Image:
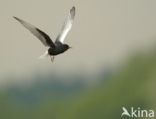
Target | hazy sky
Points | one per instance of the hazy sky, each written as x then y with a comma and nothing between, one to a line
103,32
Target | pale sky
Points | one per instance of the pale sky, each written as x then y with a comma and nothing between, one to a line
104,31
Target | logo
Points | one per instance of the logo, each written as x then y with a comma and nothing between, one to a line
137,113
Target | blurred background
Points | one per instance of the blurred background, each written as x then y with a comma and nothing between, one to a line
112,63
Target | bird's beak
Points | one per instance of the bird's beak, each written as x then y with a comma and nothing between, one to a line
70,47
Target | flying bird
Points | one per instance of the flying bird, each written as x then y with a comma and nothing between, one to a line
57,47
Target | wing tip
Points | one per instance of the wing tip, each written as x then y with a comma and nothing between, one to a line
74,8
72,11
16,18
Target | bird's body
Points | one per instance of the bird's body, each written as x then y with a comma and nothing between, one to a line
57,47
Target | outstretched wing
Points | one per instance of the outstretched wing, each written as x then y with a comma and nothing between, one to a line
66,26
43,37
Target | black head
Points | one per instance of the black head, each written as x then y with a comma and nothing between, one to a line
66,46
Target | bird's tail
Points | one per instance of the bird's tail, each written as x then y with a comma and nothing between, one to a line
45,55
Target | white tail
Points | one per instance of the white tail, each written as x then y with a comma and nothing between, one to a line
45,55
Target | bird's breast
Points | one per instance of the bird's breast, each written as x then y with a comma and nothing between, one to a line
56,51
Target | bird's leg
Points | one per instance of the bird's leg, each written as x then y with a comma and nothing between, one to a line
52,58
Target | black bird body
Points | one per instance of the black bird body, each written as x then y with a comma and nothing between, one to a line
57,47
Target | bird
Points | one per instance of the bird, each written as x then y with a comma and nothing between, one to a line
57,47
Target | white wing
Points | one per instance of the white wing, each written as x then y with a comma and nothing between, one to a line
66,26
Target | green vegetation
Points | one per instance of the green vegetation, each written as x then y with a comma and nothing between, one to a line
133,85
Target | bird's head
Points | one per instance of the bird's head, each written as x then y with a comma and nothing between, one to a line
66,46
